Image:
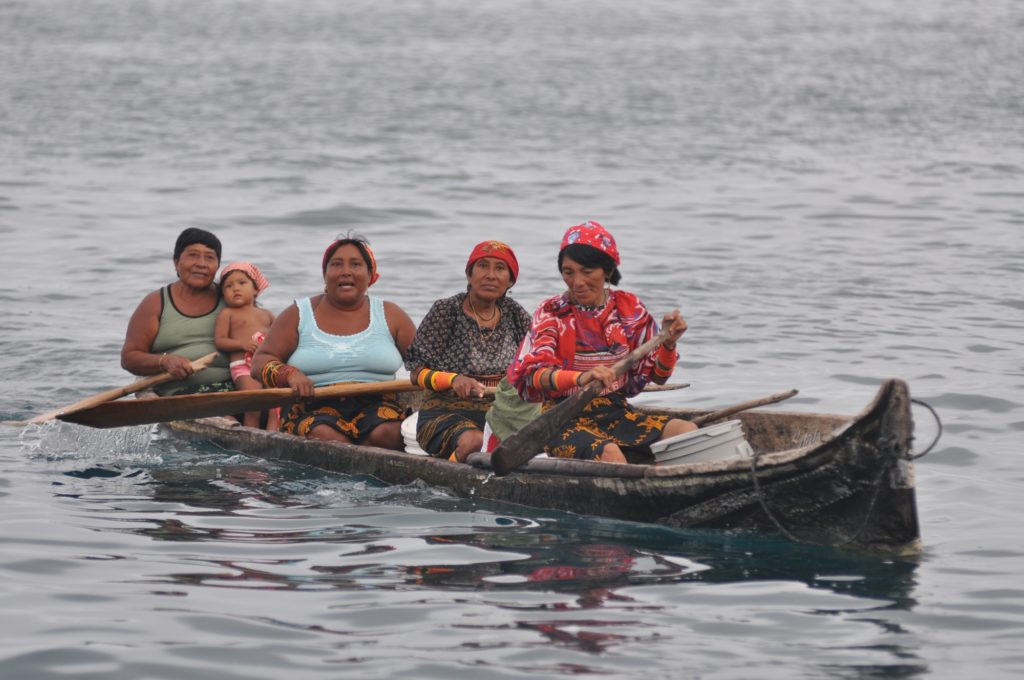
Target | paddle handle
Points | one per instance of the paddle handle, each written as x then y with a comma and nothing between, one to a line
351,389
667,387
743,406
624,364
118,392
576,403
640,352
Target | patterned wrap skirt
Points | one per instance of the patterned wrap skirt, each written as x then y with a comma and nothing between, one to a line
608,419
442,419
355,416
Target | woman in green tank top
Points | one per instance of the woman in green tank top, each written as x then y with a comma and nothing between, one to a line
174,325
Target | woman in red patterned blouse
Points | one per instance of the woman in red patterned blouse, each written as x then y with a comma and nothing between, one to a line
576,337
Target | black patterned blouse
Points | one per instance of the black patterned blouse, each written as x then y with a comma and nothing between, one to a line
450,340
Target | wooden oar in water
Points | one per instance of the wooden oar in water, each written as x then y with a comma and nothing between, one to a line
118,392
191,406
699,421
527,442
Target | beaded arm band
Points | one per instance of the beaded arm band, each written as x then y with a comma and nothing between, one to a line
434,380
664,361
556,380
275,374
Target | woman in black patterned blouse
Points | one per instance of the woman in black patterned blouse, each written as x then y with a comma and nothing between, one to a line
464,344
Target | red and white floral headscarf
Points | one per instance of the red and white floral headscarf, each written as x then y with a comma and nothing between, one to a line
594,235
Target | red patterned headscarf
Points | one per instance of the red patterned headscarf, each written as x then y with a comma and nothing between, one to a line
363,247
594,235
498,250
250,270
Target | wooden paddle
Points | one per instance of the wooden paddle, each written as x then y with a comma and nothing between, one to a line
651,387
742,406
667,387
528,440
699,421
189,406
118,392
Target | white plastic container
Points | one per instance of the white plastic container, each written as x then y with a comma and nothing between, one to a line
409,435
716,442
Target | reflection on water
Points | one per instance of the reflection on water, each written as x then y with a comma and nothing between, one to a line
233,501
579,584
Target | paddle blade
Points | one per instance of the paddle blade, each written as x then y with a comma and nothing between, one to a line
528,441
185,407
118,392
192,406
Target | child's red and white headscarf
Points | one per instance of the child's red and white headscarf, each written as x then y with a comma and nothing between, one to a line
250,270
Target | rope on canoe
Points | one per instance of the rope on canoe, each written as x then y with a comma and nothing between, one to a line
874,497
877,485
938,434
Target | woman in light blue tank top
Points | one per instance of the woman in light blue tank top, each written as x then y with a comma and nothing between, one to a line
340,336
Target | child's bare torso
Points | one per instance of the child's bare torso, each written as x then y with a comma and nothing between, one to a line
244,322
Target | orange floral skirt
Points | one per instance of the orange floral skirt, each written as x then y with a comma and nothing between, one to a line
608,419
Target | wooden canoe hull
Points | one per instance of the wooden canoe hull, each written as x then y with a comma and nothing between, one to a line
820,479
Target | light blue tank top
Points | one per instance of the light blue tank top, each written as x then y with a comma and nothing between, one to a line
368,356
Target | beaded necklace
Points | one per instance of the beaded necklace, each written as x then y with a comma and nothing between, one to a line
485,331
591,308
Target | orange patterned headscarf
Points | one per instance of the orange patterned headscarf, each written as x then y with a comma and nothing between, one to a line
498,250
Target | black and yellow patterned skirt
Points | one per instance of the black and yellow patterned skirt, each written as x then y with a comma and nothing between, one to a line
355,417
608,419
442,419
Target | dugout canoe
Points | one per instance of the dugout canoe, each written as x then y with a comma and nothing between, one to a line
844,481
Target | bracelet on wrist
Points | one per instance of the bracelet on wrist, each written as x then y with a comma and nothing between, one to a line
563,380
275,373
160,361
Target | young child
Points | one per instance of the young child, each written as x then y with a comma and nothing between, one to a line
241,327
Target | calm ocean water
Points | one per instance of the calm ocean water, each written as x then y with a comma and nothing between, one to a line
832,192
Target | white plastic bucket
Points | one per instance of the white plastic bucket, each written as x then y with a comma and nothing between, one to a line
717,442
409,435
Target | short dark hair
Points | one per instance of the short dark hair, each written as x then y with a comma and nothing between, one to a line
589,256
196,235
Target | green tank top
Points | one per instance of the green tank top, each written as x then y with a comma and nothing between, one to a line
191,337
